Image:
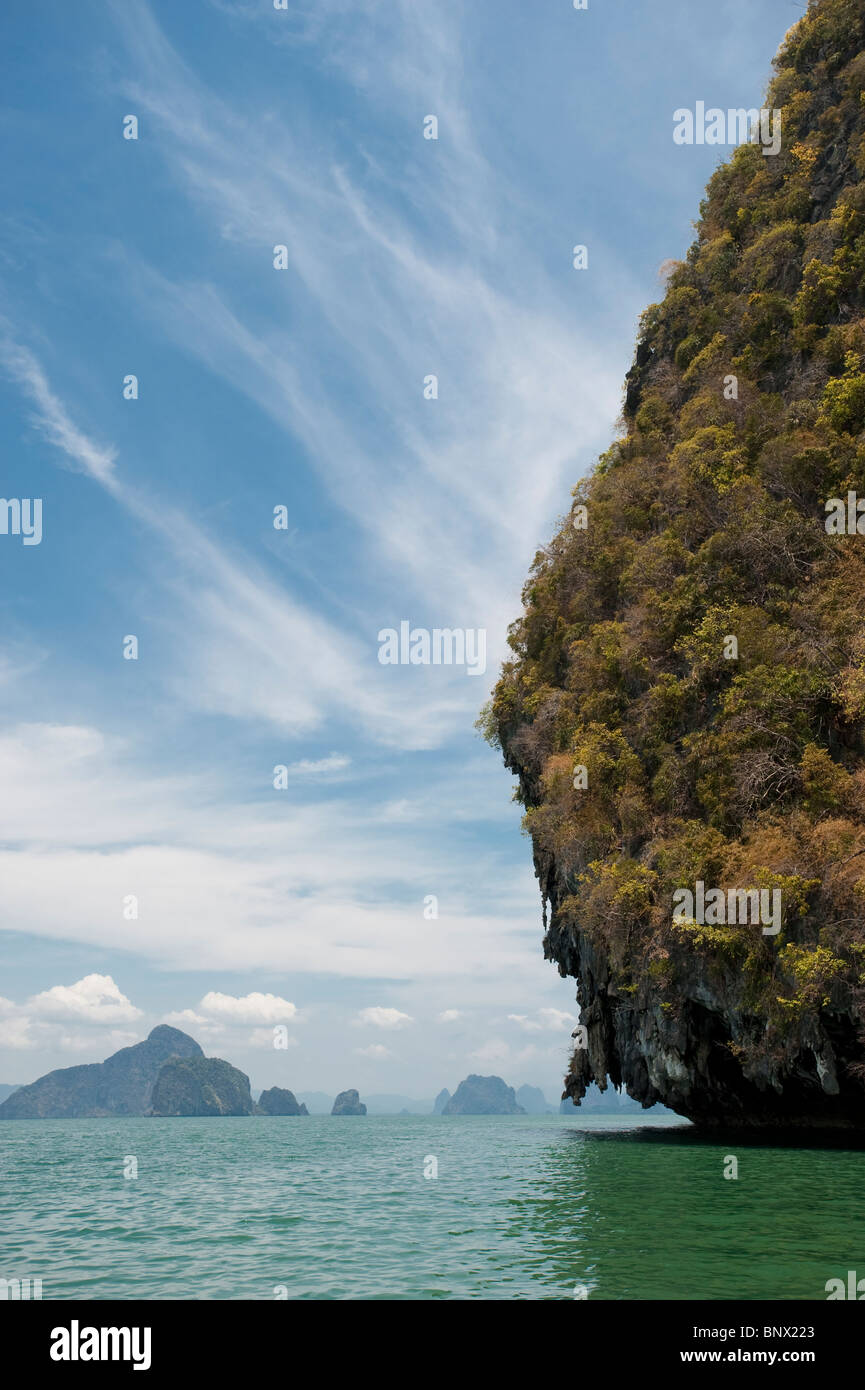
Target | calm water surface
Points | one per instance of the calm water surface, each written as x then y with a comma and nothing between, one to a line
340,1208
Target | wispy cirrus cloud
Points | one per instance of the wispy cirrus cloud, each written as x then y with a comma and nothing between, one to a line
470,480
233,617
475,475
50,416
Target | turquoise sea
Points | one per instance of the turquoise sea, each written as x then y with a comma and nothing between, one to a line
324,1208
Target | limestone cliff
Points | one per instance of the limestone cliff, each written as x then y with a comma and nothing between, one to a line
686,703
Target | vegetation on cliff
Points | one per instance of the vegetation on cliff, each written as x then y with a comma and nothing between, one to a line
739,764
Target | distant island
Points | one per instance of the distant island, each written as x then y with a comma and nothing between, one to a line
276,1101
483,1095
348,1103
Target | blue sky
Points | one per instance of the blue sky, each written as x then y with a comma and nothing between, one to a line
303,388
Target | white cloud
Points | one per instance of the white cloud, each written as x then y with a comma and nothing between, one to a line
185,1018
251,1008
323,886
494,1050
93,999
449,1016
545,1020
188,1021
314,768
380,1017
16,1035
109,1042
43,1021
524,1022
556,1018
375,1050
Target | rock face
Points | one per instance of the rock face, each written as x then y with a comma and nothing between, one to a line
483,1095
121,1085
276,1101
685,709
201,1086
441,1101
348,1103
